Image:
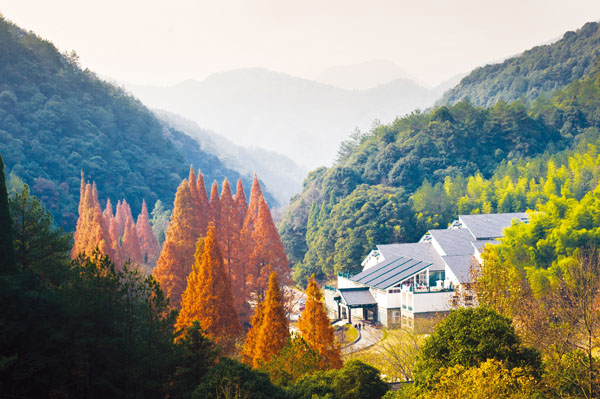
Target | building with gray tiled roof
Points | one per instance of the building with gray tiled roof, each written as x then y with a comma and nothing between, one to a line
415,280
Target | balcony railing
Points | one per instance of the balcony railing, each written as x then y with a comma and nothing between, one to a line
426,289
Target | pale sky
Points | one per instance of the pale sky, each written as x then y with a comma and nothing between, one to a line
164,42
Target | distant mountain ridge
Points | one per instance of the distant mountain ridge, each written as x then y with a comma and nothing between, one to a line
302,119
57,120
363,76
533,73
280,174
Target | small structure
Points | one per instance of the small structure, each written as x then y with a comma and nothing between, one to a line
401,283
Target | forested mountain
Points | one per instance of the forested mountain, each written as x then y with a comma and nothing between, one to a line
538,71
367,197
282,177
302,119
57,120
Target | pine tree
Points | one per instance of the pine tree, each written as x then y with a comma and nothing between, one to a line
7,249
316,330
207,297
177,256
274,330
147,240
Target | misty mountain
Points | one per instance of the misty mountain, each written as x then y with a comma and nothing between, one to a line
363,76
282,177
302,119
58,120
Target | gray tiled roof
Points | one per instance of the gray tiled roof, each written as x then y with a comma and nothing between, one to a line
487,226
454,241
423,251
460,266
480,243
357,296
388,274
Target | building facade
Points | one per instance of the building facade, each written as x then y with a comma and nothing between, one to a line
402,283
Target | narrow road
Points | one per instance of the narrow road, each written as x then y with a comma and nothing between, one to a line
369,336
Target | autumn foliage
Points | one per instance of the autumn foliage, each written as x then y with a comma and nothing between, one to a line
247,237
207,297
114,235
316,330
270,328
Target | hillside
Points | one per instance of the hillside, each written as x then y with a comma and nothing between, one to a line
301,119
57,120
282,177
538,71
367,198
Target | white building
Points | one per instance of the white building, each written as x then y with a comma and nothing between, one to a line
403,282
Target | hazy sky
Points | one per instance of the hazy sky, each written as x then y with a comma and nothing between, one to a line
163,42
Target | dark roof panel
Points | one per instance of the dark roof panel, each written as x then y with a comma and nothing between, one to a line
355,297
388,274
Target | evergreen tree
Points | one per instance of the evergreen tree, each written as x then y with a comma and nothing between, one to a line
207,297
39,246
274,331
316,330
7,249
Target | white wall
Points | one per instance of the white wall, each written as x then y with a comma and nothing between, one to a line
372,259
432,302
343,282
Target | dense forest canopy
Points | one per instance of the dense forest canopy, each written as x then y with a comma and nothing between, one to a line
536,72
57,120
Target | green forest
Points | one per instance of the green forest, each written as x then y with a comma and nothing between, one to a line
57,120
535,73
430,167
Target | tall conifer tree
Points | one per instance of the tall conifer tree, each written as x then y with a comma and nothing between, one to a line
207,297
147,240
274,330
267,254
316,330
177,256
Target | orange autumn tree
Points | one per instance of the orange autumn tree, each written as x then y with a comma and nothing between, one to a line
208,297
92,231
316,330
272,333
177,256
249,348
130,247
267,252
239,253
147,240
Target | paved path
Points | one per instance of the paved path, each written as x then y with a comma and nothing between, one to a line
369,336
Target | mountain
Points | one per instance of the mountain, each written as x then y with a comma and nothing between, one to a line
281,176
57,120
537,71
362,76
302,119
375,192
